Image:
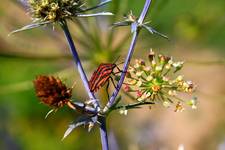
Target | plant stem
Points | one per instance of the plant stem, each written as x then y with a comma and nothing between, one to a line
103,132
129,56
78,62
134,105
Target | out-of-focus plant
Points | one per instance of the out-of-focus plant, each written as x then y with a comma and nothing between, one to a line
152,83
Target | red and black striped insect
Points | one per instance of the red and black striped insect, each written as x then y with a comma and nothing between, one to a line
102,75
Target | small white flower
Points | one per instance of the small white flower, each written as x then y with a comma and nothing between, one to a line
149,78
168,66
147,68
123,112
139,73
172,92
166,104
180,78
139,83
170,61
158,68
178,64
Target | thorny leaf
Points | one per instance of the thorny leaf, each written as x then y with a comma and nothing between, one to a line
131,20
30,26
153,31
51,111
83,120
95,14
98,5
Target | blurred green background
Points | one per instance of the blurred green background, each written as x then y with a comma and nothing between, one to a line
197,35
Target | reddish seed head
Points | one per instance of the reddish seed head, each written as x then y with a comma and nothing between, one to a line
51,91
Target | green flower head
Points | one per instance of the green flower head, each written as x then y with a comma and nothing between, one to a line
157,81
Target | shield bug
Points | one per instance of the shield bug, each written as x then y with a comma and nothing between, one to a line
102,75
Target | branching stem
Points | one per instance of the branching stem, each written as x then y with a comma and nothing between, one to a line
103,132
78,62
129,56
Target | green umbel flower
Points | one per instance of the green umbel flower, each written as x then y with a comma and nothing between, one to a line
157,81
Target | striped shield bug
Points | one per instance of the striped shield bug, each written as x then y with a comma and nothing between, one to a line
102,75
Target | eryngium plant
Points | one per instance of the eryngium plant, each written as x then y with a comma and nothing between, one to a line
56,11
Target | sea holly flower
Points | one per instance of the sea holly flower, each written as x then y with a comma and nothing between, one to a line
159,83
55,11
132,20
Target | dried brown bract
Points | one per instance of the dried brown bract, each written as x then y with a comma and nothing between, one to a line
51,91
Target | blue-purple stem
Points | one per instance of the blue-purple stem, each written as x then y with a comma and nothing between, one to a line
103,132
102,120
129,56
77,61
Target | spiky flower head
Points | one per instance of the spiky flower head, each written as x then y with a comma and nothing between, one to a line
157,81
55,11
51,91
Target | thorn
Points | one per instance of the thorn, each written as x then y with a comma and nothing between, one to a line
51,111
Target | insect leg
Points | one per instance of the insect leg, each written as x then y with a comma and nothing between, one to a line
113,82
107,89
119,71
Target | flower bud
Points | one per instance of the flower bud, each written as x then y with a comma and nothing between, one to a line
139,93
179,107
163,59
127,88
151,55
149,78
139,73
166,104
139,83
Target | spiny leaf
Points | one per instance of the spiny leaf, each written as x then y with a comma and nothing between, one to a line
51,111
153,31
97,6
83,120
121,23
30,26
95,14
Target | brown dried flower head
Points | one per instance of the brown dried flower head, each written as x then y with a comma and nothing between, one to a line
51,91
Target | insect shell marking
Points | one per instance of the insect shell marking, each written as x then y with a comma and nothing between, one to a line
101,76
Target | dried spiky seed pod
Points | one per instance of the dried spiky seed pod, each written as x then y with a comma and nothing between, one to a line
51,91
